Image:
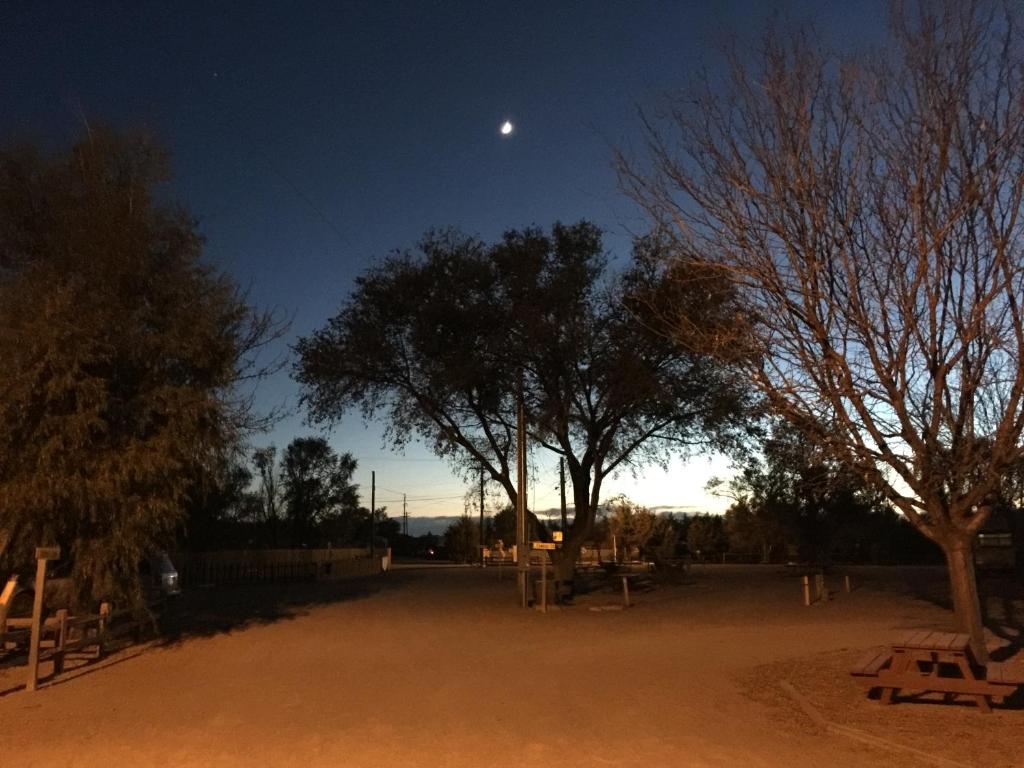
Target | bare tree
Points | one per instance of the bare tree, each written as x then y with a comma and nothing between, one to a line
868,211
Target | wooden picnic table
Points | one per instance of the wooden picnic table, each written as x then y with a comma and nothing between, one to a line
942,662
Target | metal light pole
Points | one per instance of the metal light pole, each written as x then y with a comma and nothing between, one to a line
373,506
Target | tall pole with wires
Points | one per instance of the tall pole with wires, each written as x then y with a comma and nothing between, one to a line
481,516
373,506
522,553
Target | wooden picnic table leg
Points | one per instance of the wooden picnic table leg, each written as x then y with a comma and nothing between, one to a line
968,673
900,663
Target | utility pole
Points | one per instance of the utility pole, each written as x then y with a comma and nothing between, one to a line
561,478
522,551
405,518
373,506
481,516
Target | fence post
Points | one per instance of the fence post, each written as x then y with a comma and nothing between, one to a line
846,583
807,590
42,555
625,591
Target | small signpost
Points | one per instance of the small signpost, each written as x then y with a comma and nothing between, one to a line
543,546
43,554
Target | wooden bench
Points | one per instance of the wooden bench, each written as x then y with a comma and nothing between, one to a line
871,663
1004,673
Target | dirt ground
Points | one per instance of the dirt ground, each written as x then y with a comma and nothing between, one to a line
440,667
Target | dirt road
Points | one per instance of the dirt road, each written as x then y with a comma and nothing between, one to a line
441,668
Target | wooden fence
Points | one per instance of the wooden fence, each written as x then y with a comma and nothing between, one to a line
62,635
207,569
54,637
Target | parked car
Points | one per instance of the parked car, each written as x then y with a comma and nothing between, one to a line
159,577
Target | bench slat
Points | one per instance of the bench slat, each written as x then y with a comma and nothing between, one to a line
1001,672
871,663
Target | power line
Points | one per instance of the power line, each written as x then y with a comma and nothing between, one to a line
393,458
424,498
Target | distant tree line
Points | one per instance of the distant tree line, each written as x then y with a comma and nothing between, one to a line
799,519
303,498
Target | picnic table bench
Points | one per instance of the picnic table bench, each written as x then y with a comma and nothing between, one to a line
941,662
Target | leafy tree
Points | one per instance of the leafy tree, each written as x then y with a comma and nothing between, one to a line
122,354
461,539
866,211
791,495
705,537
217,505
441,341
504,526
384,528
265,462
759,529
636,527
387,528
316,485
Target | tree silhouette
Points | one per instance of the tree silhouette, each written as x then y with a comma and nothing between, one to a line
316,485
440,342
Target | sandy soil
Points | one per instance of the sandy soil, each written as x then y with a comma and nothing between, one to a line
439,667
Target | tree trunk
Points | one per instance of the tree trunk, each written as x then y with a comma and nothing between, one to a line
573,538
959,553
565,558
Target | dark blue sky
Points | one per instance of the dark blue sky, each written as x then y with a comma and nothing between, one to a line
309,138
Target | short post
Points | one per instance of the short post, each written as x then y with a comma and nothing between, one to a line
625,591
819,580
42,555
62,638
807,590
104,619
6,597
846,583
543,587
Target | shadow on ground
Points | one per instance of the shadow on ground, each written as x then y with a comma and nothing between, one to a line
1003,613
204,613
1014,701
207,612
1002,602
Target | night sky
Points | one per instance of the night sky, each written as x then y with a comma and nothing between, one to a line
310,138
